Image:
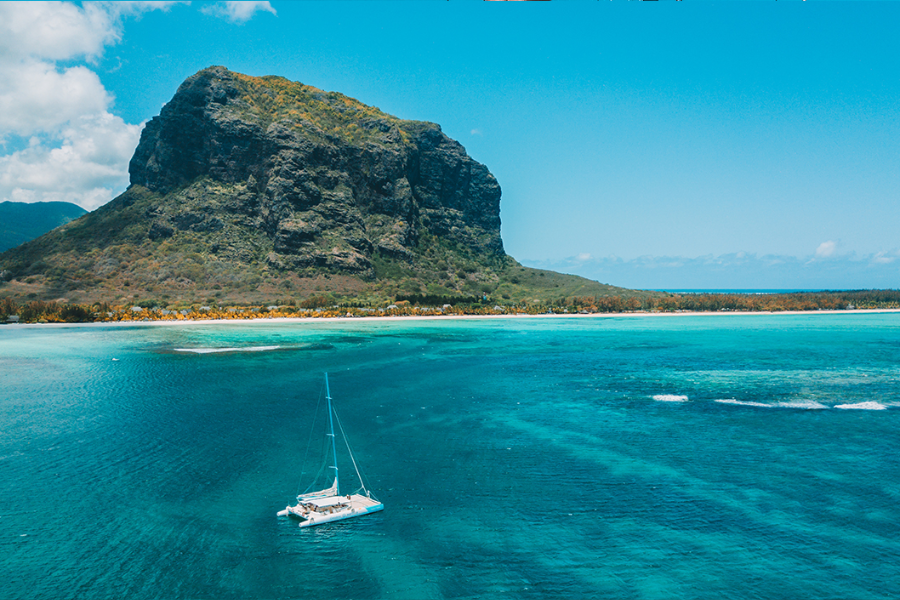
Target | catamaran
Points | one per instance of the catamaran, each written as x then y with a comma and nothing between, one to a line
327,505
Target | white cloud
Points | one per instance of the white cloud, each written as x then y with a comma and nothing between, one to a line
64,30
137,7
238,12
826,249
584,256
55,30
87,168
78,151
37,97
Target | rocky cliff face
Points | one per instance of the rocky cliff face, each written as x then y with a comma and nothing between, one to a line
259,189
331,182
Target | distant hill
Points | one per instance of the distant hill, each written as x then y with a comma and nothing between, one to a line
259,189
21,222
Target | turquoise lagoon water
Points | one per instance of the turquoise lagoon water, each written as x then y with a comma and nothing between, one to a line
689,457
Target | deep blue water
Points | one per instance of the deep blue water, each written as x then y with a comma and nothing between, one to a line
655,457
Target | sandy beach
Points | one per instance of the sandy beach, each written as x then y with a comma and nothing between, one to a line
260,320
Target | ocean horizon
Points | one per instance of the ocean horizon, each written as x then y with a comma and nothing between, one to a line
747,457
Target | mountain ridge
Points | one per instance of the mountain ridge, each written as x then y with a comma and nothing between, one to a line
247,189
23,221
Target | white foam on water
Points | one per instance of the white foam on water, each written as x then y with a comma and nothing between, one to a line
742,402
804,404
863,406
670,398
215,350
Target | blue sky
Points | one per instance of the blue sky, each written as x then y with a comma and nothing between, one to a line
644,145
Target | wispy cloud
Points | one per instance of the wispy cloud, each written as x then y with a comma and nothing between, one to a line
737,271
238,12
826,249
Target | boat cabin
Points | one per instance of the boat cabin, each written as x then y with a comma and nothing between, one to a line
327,505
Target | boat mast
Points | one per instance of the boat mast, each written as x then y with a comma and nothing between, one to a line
337,488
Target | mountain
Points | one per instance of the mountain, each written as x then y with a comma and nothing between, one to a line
21,221
259,189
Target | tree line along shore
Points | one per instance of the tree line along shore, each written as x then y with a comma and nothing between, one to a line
38,311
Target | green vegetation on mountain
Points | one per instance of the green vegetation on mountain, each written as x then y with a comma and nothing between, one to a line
21,222
324,306
255,190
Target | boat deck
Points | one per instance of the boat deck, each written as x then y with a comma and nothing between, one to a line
332,508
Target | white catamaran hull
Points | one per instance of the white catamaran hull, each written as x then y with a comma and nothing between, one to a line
332,508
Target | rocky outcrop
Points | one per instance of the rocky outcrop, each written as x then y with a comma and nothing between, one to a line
330,181
251,189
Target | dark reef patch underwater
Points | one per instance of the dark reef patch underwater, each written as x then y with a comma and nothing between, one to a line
687,457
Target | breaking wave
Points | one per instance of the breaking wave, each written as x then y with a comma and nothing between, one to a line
742,402
805,405
670,398
863,406
216,350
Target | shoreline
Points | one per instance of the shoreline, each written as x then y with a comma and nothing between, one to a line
262,320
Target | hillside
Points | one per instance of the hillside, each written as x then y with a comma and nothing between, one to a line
258,189
21,222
